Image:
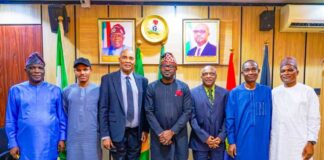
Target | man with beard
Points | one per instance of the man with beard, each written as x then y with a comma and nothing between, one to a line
208,118
203,48
248,117
35,120
168,109
80,101
296,116
122,121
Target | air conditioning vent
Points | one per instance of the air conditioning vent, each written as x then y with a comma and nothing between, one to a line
302,18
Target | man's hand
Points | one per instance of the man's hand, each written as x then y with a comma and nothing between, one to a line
144,136
107,143
308,151
232,150
61,146
210,142
166,136
216,141
14,152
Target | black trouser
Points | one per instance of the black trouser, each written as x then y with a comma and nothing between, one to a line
129,148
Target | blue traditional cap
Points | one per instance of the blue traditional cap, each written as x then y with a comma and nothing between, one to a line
34,58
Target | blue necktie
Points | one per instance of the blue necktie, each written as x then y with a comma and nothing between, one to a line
130,101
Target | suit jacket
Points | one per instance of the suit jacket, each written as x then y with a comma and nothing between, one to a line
209,50
112,117
207,119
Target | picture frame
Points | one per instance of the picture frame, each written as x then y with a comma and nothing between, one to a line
114,36
200,41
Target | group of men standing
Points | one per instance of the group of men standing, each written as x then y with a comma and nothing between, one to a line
259,124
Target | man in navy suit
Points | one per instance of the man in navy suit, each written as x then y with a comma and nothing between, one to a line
203,48
208,118
121,110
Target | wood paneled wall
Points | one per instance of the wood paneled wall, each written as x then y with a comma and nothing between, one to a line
16,43
239,29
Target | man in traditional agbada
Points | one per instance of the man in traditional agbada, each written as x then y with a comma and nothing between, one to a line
248,117
80,101
296,116
35,120
168,109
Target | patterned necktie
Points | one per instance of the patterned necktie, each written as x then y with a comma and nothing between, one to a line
130,101
210,96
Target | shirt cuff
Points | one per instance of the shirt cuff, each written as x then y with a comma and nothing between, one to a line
106,137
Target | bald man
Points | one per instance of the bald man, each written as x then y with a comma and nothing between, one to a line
203,48
121,110
208,117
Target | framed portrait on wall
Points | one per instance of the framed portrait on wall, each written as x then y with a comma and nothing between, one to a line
200,41
115,35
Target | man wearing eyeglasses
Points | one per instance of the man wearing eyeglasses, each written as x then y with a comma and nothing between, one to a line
168,109
248,117
203,48
208,118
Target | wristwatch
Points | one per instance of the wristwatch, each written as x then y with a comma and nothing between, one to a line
312,142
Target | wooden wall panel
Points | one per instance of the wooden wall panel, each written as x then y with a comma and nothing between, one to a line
151,51
287,44
252,39
314,59
230,31
87,31
319,147
49,45
17,42
20,14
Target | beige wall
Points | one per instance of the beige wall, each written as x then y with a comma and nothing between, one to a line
239,29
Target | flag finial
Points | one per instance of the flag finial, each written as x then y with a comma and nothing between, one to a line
138,43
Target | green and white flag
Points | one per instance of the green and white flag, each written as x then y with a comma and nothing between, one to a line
61,76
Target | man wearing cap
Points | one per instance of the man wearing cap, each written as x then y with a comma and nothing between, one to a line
168,109
35,120
296,116
121,110
117,37
80,101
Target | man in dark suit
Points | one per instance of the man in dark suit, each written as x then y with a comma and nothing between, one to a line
121,110
203,48
208,118
168,109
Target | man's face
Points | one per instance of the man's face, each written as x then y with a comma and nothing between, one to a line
82,72
35,73
117,40
208,77
288,75
250,72
127,61
168,70
201,34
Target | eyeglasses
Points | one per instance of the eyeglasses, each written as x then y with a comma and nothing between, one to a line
199,31
168,66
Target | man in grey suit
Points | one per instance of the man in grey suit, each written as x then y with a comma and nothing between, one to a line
168,109
121,110
208,118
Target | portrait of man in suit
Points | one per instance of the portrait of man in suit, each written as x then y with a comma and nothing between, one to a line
122,122
203,47
208,117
